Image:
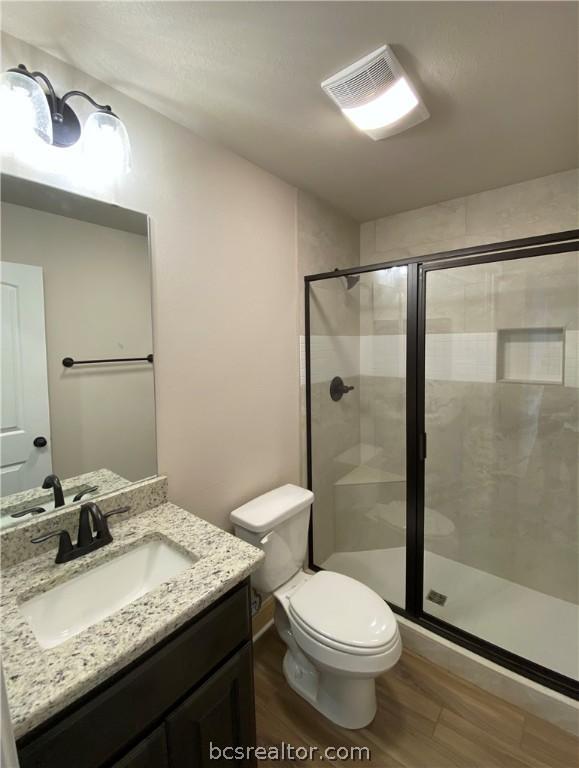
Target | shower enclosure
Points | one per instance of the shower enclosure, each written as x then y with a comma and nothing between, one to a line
443,443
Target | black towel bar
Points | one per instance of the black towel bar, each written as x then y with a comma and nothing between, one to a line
68,362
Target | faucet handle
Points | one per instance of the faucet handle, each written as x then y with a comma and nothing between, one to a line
103,531
117,511
64,543
84,491
101,522
46,536
29,511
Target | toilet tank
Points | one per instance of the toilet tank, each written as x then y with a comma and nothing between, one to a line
276,522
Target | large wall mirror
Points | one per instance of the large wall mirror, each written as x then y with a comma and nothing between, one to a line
77,371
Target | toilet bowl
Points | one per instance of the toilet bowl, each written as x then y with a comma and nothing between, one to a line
339,634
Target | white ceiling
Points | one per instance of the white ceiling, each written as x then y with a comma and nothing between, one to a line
499,80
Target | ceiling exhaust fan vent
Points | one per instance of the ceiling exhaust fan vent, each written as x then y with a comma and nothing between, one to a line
362,82
376,95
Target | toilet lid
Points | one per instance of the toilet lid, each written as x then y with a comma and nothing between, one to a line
342,609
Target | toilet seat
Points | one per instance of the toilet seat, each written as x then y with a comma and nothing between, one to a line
331,643
342,614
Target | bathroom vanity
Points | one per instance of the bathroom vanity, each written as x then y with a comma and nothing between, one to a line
121,659
192,689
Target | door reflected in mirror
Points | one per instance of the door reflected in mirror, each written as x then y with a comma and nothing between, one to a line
77,372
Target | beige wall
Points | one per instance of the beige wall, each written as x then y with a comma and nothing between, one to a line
231,245
225,300
97,297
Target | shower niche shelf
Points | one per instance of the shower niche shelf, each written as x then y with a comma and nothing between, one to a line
361,466
361,453
531,355
366,475
436,525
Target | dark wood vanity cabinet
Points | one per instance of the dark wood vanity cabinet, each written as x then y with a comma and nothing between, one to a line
192,692
150,752
216,715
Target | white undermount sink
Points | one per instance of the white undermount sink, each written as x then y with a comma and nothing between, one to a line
71,607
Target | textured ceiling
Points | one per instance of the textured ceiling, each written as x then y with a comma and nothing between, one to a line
499,80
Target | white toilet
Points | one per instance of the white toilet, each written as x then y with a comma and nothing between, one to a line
340,635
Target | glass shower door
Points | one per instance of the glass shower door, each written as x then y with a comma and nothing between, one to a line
501,476
357,335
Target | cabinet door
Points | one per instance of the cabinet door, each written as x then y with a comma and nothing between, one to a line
220,714
151,752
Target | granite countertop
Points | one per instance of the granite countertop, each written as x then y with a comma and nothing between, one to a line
105,480
41,682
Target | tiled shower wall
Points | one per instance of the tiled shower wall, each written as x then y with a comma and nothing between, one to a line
503,453
535,207
328,240
524,524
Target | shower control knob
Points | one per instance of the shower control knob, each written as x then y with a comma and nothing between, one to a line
40,442
338,389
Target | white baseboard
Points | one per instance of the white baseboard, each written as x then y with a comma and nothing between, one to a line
263,630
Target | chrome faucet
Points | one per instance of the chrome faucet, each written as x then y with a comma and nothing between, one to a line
89,517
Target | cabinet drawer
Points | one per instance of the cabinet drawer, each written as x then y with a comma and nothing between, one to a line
101,727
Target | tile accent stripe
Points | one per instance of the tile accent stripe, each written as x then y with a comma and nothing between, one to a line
466,357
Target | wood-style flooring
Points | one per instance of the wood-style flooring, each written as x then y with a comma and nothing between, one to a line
427,718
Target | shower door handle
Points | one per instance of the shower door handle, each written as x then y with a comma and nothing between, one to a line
422,446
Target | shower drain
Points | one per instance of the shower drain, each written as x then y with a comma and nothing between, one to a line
436,597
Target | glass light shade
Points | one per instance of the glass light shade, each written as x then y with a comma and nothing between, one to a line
106,146
389,107
25,113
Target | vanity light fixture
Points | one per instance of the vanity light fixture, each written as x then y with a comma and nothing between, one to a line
376,95
31,110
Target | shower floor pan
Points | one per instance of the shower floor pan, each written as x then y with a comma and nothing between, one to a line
534,625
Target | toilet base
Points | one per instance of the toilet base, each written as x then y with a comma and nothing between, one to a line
349,702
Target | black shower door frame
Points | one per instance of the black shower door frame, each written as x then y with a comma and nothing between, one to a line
416,439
